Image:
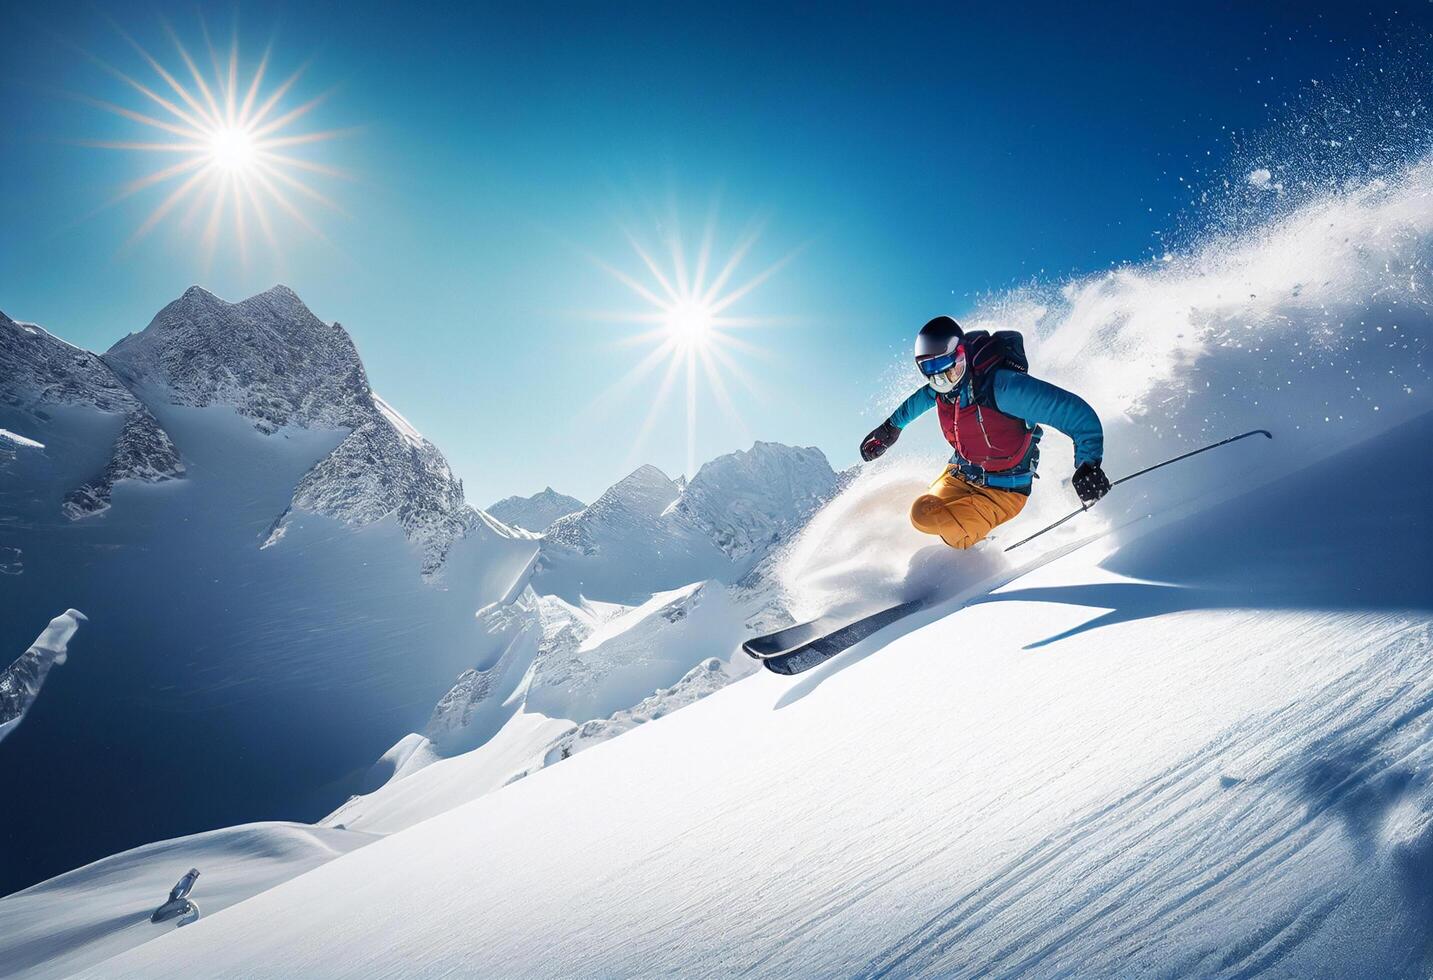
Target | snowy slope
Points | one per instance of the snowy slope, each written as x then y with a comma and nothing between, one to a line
606,667
535,513
567,677
95,912
1193,747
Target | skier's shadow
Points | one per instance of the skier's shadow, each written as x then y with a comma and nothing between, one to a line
1125,602
1129,601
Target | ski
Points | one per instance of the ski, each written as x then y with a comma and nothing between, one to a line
794,637
797,649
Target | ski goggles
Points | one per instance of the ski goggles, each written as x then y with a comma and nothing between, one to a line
936,369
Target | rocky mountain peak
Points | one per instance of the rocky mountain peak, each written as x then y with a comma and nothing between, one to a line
268,356
748,499
535,513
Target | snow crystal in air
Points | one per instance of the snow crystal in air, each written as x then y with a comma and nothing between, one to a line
1264,180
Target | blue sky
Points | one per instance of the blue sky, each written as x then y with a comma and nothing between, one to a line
911,157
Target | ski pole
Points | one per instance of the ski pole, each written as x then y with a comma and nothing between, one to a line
1147,469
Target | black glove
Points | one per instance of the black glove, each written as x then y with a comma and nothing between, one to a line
1090,482
882,437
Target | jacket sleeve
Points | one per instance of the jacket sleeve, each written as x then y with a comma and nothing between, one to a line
1041,403
920,402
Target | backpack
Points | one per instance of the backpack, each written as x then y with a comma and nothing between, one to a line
985,353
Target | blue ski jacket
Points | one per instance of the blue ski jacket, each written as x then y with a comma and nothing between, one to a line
1038,403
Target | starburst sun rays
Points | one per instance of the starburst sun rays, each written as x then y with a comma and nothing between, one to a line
233,145
690,329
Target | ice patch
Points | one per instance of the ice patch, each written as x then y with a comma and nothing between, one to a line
20,684
20,440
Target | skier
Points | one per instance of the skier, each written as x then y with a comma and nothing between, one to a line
991,411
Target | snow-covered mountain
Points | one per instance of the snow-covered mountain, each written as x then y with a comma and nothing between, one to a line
648,533
44,375
264,547
696,577
535,513
278,586
746,500
267,357
272,361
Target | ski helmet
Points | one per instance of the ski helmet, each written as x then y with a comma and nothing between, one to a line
940,353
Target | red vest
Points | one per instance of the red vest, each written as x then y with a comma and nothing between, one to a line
985,436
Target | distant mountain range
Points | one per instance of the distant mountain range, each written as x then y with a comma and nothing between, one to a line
535,513
282,575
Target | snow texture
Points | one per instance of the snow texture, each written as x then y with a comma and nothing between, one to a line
706,678
274,362
88,915
42,373
268,357
1186,749
647,533
746,500
20,683
535,513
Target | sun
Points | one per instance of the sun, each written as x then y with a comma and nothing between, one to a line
689,323
690,328
232,149
239,157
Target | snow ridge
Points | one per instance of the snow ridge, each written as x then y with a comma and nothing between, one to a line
276,363
42,370
632,505
535,513
745,500
707,677
648,533
142,452
268,356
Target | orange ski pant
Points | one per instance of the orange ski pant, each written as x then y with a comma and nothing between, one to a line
963,513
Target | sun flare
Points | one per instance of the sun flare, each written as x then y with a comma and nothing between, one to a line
692,330
238,151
